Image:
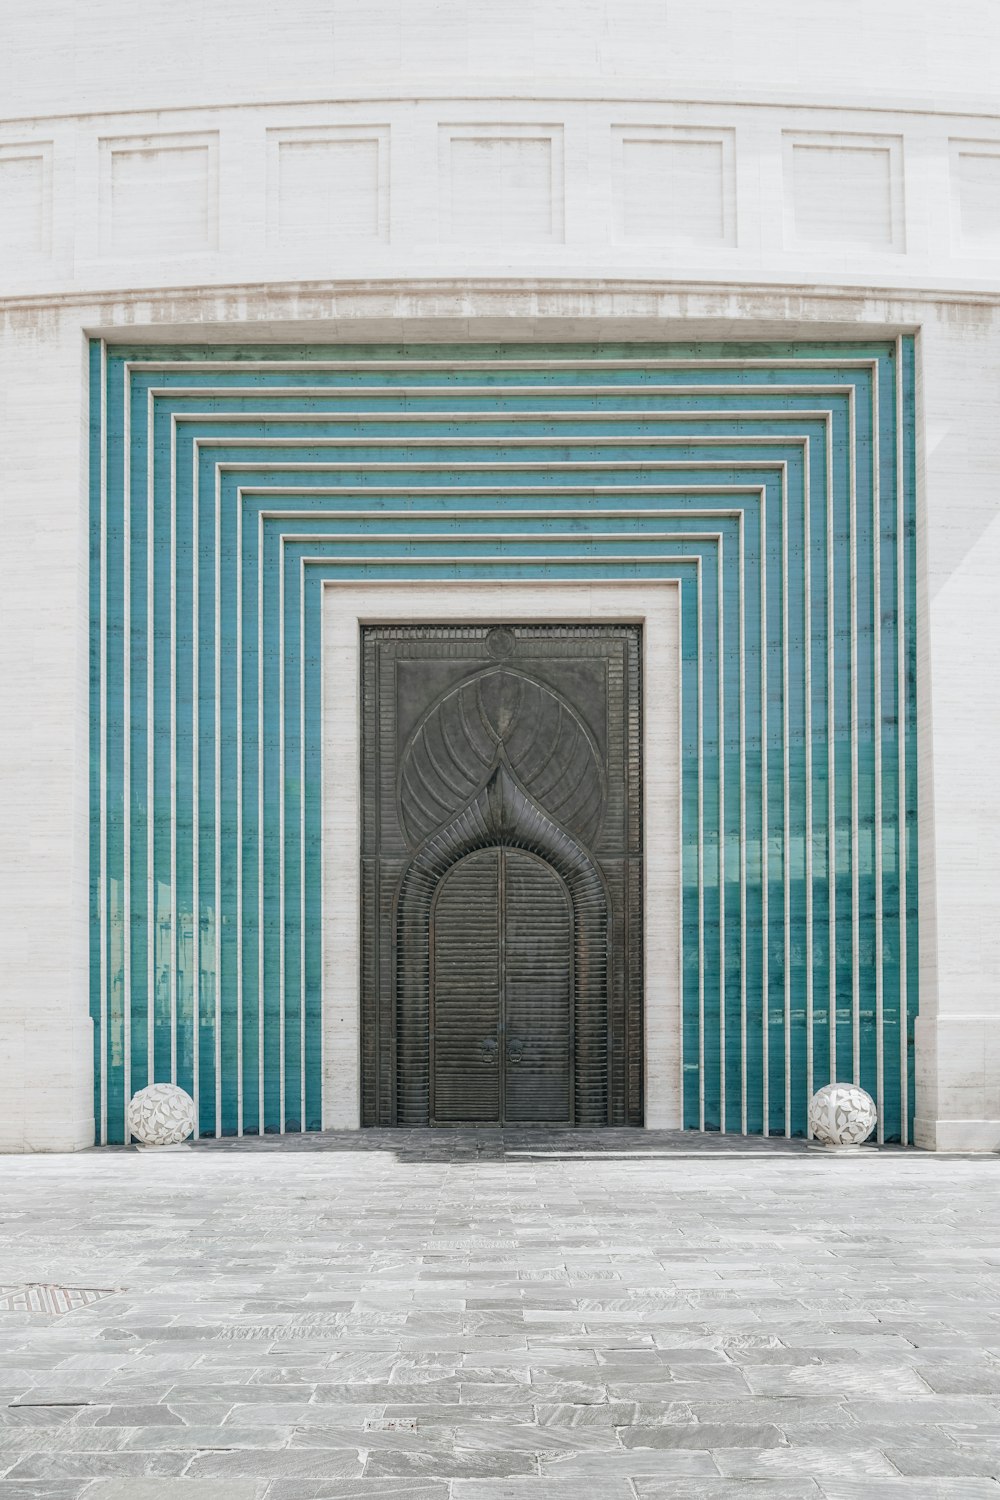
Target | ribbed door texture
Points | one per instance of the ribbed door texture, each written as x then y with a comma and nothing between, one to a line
537,973
466,992
501,993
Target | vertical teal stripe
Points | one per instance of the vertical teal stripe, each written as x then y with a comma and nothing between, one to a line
908,377
96,670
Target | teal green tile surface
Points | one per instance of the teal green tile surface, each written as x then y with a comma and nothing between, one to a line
774,482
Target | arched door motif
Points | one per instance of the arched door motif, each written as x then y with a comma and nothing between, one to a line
501,876
501,992
502,817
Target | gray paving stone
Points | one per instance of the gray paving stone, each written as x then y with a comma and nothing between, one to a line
968,1377
678,1388
446,1391
939,1461
42,1489
357,1489
911,1489
787,1354
458,1463
579,1394
628,1465
793,1380
198,1439
533,1489
842,1432
726,1489
959,1410
850,1462
395,1437
172,1489
139,1416
528,1437
439,1414
291,1414
95,1465
38,1416
985,1435
330,1463
611,1414
702,1435
14,1440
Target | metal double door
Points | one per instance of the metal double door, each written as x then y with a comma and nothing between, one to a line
501,1024
501,875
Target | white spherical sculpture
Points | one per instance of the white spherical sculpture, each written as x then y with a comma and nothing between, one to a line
841,1115
161,1115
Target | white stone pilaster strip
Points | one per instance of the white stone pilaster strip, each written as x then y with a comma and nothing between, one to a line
855,839
102,889
195,809
217,762
260,829
126,748
302,847
151,749
282,972
901,725
721,851
174,935
877,736
239,823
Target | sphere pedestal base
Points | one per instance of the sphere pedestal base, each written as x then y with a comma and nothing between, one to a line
836,1150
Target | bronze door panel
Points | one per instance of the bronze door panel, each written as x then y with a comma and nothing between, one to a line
501,1015
501,875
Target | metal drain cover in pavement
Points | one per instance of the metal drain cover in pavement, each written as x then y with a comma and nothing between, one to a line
40,1297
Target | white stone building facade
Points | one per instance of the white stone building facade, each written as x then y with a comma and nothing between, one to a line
316,175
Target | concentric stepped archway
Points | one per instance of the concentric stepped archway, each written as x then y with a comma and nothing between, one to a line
775,482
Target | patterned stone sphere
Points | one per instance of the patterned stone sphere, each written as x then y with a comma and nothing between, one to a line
161,1115
841,1114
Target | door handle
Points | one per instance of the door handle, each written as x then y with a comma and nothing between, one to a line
514,1050
489,1051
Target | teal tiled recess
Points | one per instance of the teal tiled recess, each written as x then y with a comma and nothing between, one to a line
775,482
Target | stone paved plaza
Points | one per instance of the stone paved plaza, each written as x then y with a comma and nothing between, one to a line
460,1316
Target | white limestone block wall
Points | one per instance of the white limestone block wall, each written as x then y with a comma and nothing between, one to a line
390,169
46,1093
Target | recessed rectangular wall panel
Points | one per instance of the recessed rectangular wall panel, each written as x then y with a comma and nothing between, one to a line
25,200
844,191
159,194
975,195
327,184
675,185
502,183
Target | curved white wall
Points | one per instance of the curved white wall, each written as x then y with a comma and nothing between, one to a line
185,144
71,56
